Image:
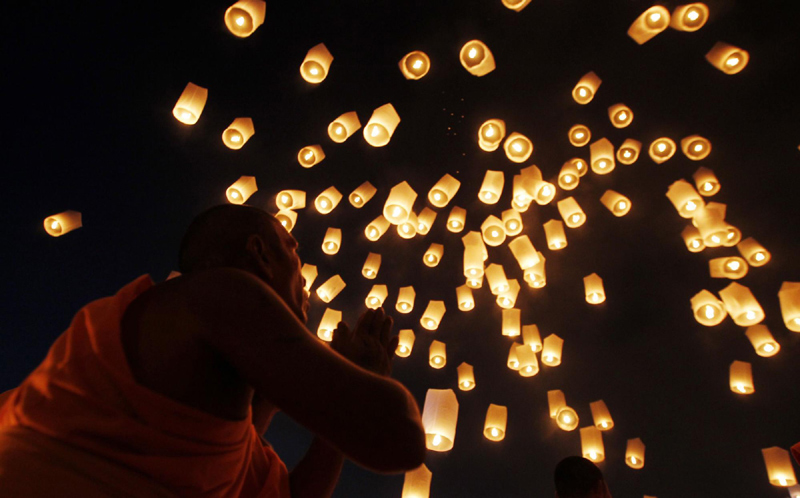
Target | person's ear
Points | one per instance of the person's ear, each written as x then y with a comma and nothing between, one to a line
259,255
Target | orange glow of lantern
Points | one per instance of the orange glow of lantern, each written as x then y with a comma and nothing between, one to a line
439,418
290,199
511,322
516,5
331,288
593,288
706,182
541,191
535,276
287,218
556,237
634,454
732,267
579,135
371,266
238,133
513,362
310,155
762,341
408,228
362,195
432,316
508,299
555,401
685,198
601,416
551,350
753,252
425,220
414,65
628,152
376,228
433,255
710,221
602,157
466,377
241,190
521,199
491,134
492,187
592,444
309,274
399,203
457,219
327,200
330,320
443,191
618,204
621,116
493,231
652,22
58,224
496,276
476,58
376,297
512,222
437,355
417,483
473,265
779,467
494,427
741,305
571,212
528,364
789,297
584,91
696,147
405,343
661,149
707,309
245,16
568,177
381,125
693,239
524,252
316,64
567,419
518,147
190,104
405,299
727,58
741,377
531,337
332,241
466,301
343,127
689,17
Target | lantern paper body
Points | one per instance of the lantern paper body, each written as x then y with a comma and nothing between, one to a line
568,177
516,5
332,241
288,218
555,401
685,198
789,297
689,17
494,428
512,222
456,219
496,276
727,58
331,288
439,418
571,212
376,228
708,310
491,134
190,104
245,16
652,22
433,255
310,155
536,276
61,223
437,356
381,125
362,195
511,322
316,64
415,65
567,419
466,377
706,182
634,454
241,190
493,231
618,204
291,199
661,150
620,115
399,203
601,415
466,302
417,483
753,252
476,58
762,341
741,305
405,343
524,252
371,266
584,91
238,133
593,288
741,377
531,337
508,299
732,267
513,362
432,316
376,297
556,237
473,265
521,199
309,274
696,147
579,135
693,239
408,228
628,152
443,191
405,299
779,467
343,127
592,444
602,157
492,187
330,320
425,220
551,350
528,364
518,147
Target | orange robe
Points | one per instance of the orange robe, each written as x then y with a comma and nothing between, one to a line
83,397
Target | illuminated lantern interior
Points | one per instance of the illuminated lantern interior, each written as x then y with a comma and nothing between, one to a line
763,342
376,297
408,228
466,377
727,58
741,377
689,17
732,267
371,266
696,147
579,135
568,177
593,288
381,125
602,157
493,231
291,199
628,152
634,454
327,200
245,16
443,191
531,337
433,255
405,343
551,350
432,316
556,237
601,416
620,115
535,276
405,299
692,238
425,220
516,5
571,212
707,309
513,362
511,322
528,364
779,467
362,195
508,299
343,127
755,254
332,241
190,104
399,204
586,88
592,444
241,190
288,218
59,224
518,147
316,64
330,320
466,302
706,182
414,65
618,204
494,427
238,133
652,22
456,219
476,58
661,150
491,134
310,155
567,419
376,228
439,418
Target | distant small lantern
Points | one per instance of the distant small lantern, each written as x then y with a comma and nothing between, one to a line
685,198
287,218
433,255
727,58
343,127
741,377
432,316
706,182
443,191
245,16
58,224
511,322
362,195
621,116
439,418
492,187
381,125
408,228
579,135
634,454
516,5
707,309
405,299
551,350
689,17
466,377
399,204
190,104
693,239
238,133
425,220
466,302
417,483
330,320
661,150
316,64
518,147
789,297
571,212
414,65
310,155
508,299
491,134
437,355
584,91
512,222
371,266
494,427
602,157
332,241
601,416
531,337
618,204
496,276
696,147
291,199
741,305
376,297
493,231
476,58
652,22
593,288
535,276
327,200
241,190
513,362
592,444
556,237
457,219
331,288
405,343
568,177
524,252
753,252
376,228
732,267
309,274
763,342
528,364
779,467
628,152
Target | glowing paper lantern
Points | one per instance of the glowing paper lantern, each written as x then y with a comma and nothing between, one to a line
288,218
310,155
601,415
710,221
491,133
568,177
414,65
496,276
417,483
551,350
779,467
513,362
245,16
618,204
592,444
652,22
584,91
706,182
634,454
628,152
531,337
516,5
331,288
567,419
741,305
511,322
437,356
58,224
696,147
727,58
541,191
332,241
425,220
309,274
521,199
433,255
439,418
466,377
376,297
405,343
330,320
405,299
432,316
508,299
579,135
408,228
593,287
494,428
238,133
524,252
464,296
555,401
518,147
457,219
190,104
362,195
556,237
291,199
707,309
381,125
535,275
376,228
661,150
753,252
762,341
327,200
371,266
443,191
571,212
620,115
602,157
512,222
473,266
693,239
476,58
685,198
789,297
343,127
399,203
493,231
492,187
316,64
741,377
689,17
528,365
732,267
241,190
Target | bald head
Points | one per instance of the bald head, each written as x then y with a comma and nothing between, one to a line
577,477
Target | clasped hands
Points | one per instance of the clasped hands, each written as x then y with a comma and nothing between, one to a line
370,345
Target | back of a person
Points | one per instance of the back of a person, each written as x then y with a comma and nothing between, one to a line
577,477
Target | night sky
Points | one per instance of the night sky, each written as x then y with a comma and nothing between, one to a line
88,99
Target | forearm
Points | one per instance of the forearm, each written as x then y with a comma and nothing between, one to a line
318,472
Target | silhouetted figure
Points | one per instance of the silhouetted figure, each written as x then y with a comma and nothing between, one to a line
577,477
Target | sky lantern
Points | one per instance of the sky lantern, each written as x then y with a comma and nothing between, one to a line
710,221
330,288
551,350
190,104
518,147
408,228
601,416
706,182
634,454
310,155
779,467
555,401
432,316
593,287
492,187
491,134
568,177
690,17
443,191
618,204
661,149
238,133
741,377
732,267
535,276
376,297
330,320
727,58
309,274
291,199
620,115
580,165
466,377
476,58
332,241
493,231
439,418
371,266
456,219
693,239
496,276
628,152
494,428
571,212
579,135
516,5
602,157
245,16
343,127
592,444
405,343
464,296
316,64
474,241
241,190
508,299
587,86
521,199
652,22
753,252
437,355
763,342
528,364
556,237
327,200
414,65
685,198
417,483
58,224
541,191
399,204
789,297
513,362
288,218
741,305
362,195
707,309
425,220
473,265
433,255
524,252
511,322
531,337
376,228
512,221
381,125
405,299
696,147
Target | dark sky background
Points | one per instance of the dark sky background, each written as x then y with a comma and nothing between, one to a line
88,100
